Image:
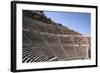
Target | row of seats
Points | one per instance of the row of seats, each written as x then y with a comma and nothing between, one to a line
53,39
36,50
66,40
42,54
80,40
37,54
58,51
30,38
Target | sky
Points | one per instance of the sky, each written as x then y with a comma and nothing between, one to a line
80,22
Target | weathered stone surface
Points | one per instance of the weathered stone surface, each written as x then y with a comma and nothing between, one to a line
45,40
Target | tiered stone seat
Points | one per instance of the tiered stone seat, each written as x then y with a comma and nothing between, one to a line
45,51
70,51
89,41
80,40
32,39
51,39
28,56
58,51
45,47
81,51
27,42
37,54
66,40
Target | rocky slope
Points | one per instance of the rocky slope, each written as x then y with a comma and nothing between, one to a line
37,21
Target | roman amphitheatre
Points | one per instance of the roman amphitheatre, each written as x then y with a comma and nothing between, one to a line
45,40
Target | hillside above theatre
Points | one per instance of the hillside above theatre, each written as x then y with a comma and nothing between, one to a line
37,21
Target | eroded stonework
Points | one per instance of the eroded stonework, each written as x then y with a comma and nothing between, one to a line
45,40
